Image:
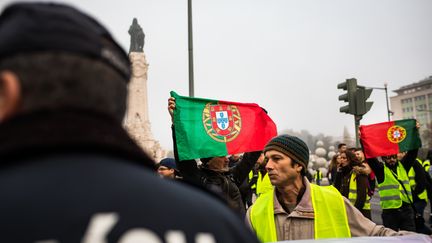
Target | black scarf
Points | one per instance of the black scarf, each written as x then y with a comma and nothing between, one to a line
43,133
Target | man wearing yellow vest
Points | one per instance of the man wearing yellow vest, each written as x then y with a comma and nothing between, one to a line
297,209
394,190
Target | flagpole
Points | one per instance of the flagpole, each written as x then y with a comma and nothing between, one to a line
190,46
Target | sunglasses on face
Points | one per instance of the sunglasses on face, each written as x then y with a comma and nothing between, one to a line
390,157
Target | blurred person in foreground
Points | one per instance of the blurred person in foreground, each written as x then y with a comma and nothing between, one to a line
69,171
297,209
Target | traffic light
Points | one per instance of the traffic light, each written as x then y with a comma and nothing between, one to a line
350,85
362,105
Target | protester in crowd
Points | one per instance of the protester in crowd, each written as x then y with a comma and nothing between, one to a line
342,147
318,176
297,209
426,167
334,164
234,159
365,169
394,190
351,149
258,181
69,171
167,168
352,185
418,183
214,174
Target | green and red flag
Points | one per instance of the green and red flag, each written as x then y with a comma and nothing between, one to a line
388,138
209,128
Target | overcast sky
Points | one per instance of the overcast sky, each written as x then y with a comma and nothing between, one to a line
287,56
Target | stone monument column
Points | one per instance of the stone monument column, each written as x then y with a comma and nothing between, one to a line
137,121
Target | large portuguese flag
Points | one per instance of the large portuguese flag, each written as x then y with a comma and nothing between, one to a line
388,138
208,128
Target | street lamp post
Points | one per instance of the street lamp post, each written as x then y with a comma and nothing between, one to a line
190,47
386,94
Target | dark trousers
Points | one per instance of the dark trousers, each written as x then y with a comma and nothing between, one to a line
420,205
399,219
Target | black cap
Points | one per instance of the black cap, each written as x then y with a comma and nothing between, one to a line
35,27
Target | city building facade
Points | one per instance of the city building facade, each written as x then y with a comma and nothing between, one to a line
414,101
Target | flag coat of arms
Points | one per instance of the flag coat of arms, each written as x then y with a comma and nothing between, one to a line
208,128
388,138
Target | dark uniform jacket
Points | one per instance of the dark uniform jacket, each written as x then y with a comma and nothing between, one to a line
80,178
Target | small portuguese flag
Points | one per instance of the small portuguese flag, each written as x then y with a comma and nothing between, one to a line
388,138
208,128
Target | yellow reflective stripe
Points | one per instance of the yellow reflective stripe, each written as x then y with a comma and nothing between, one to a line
389,198
388,187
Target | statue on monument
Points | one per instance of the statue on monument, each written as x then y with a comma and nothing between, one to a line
137,37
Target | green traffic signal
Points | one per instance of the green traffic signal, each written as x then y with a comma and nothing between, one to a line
350,85
362,105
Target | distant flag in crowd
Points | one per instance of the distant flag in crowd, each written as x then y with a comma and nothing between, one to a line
388,138
208,128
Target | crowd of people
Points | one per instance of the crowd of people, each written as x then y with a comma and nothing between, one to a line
71,173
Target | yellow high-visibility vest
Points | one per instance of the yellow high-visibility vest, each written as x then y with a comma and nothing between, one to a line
262,185
426,165
390,190
413,183
330,220
318,175
352,195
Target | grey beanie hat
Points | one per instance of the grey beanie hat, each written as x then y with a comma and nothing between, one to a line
291,146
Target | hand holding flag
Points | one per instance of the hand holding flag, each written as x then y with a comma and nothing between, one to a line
389,138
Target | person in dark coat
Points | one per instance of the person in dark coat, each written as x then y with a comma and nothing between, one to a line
69,171
347,179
